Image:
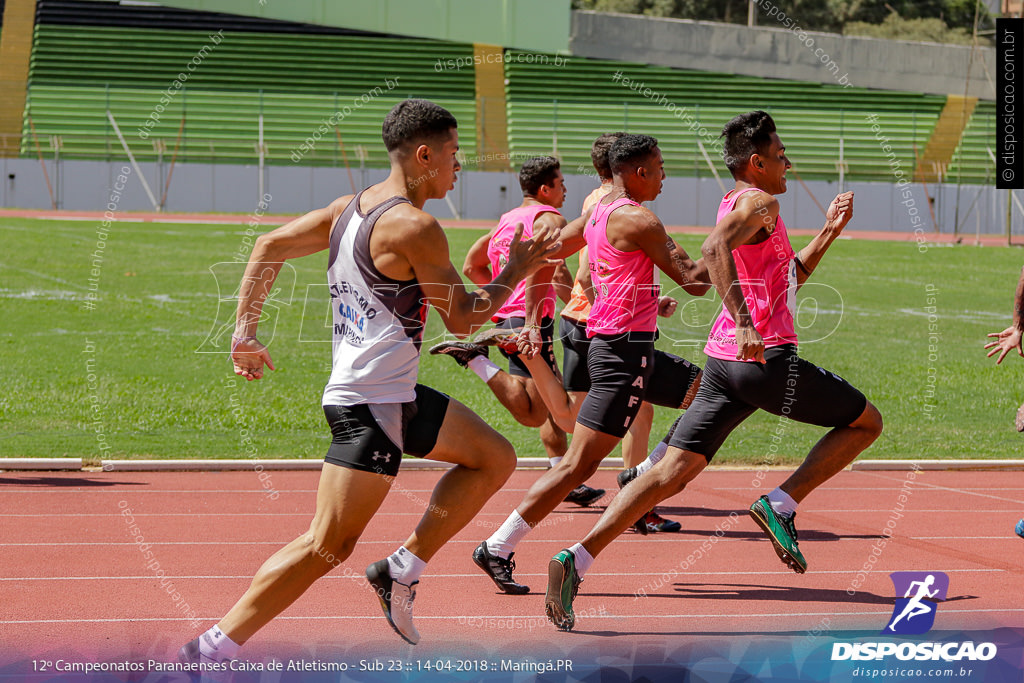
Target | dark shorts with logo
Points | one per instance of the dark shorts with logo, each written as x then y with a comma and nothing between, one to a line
672,377
517,367
730,392
620,369
360,439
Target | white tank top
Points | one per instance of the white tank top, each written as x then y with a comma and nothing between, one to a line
378,322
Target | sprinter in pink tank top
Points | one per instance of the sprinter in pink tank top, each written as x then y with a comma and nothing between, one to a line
752,364
628,242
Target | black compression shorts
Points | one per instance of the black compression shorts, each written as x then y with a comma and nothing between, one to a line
516,367
575,345
620,369
730,391
372,438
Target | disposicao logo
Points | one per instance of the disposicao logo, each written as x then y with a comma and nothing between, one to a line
913,614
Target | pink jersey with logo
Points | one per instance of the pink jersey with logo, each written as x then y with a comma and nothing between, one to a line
625,287
767,275
497,252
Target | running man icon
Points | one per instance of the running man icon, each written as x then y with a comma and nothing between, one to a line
927,591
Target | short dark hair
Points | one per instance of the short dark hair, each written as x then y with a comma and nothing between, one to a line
537,171
599,153
746,135
630,151
416,122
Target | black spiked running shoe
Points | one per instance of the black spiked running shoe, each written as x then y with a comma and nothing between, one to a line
584,496
500,570
462,352
625,476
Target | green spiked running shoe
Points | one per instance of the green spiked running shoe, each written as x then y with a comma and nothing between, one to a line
781,532
563,583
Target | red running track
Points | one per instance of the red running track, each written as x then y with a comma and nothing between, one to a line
72,575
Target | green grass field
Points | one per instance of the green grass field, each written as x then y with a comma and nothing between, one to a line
145,374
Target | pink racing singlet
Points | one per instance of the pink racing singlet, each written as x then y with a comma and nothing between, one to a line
497,252
625,287
767,276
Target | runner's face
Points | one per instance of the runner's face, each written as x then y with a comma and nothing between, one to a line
655,174
556,191
445,165
774,166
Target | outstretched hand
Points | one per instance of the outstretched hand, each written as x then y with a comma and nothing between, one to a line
1008,340
530,255
249,356
840,211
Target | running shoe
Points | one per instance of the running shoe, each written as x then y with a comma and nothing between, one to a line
626,476
498,336
781,532
1020,528
500,570
462,352
584,496
189,652
656,522
563,584
395,599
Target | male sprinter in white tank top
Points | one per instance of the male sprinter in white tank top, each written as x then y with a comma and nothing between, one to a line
388,258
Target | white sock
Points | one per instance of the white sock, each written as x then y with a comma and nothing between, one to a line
215,645
484,368
657,454
583,559
508,535
782,502
405,567
555,461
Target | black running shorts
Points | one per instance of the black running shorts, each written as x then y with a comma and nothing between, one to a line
575,345
516,367
372,438
620,369
730,391
671,379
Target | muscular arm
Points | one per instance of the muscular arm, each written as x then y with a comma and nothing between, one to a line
303,236
839,213
425,246
477,267
571,239
648,233
561,404
753,212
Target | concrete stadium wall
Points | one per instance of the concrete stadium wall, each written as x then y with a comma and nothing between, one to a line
85,186
774,50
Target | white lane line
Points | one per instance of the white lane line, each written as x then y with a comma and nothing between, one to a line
475,618
669,538
949,489
781,572
308,513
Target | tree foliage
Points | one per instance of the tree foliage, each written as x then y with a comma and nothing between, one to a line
931,20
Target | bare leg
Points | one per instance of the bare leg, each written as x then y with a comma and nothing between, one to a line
553,438
634,443
520,397
665,479
833,452
484,460
346,500
584,456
